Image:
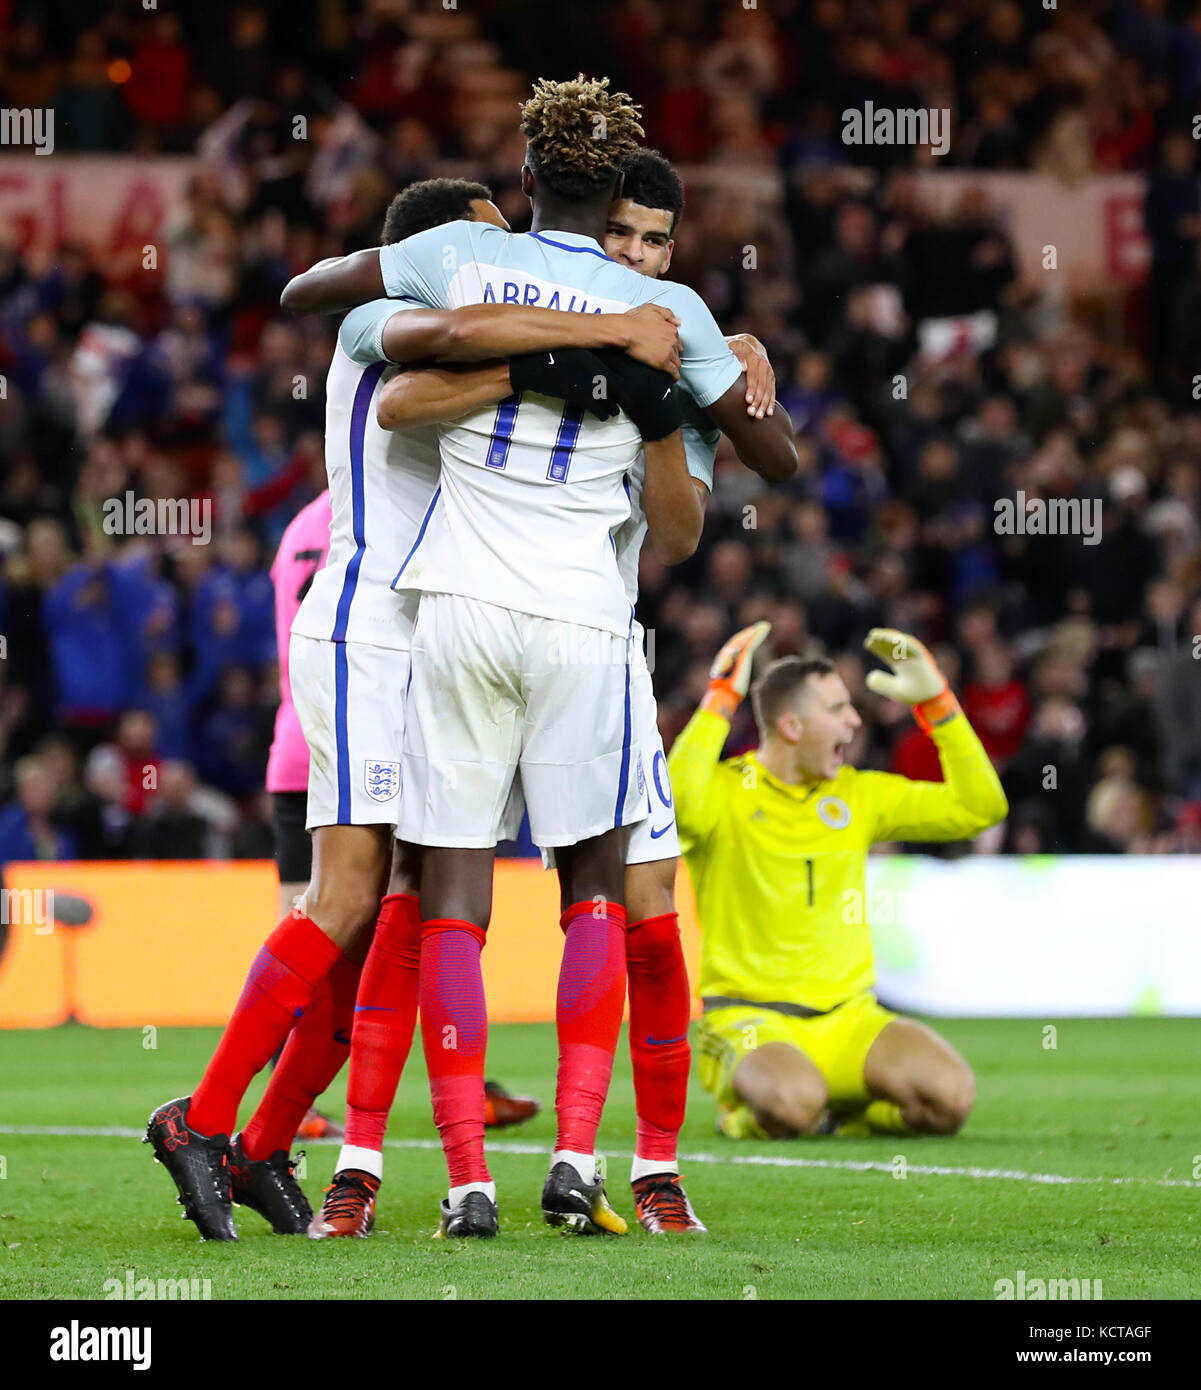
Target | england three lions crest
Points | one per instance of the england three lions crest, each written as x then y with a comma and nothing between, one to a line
381,780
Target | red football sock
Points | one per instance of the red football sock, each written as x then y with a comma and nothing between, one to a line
294,960
454,1030
660,1006
385,1016
312,1057
592,989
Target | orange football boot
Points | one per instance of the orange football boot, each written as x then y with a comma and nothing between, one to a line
501,1109
348,1208
663,1206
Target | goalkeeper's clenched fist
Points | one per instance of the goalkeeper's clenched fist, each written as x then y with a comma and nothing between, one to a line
914,679
730,674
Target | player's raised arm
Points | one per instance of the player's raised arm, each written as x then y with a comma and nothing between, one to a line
695,754
421,214
970,799
335,285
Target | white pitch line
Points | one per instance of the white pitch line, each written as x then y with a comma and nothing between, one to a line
845,1165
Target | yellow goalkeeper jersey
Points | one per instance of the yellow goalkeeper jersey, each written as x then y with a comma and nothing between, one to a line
779,871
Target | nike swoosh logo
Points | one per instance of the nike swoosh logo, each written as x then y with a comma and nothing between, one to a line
662,1042
550,359
656,834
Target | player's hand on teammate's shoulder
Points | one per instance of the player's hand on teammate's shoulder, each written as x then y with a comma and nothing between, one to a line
654,338
760,378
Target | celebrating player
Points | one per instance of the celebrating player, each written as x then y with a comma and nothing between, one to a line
640,230
792,1038
349,666
302,552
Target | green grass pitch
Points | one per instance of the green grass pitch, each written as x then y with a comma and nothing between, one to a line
1113,1106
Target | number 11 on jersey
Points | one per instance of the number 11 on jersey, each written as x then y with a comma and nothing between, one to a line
565,442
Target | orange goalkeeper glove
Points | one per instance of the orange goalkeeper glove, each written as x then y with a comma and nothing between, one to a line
730,674
914,680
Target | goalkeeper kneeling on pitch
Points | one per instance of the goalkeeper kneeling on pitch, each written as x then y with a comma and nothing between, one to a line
792,1040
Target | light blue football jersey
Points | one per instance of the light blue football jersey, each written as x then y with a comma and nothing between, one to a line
533,492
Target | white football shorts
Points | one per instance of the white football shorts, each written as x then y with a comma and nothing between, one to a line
350,699
655,836
506,707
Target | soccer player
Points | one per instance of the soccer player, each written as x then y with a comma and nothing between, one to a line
639,234
302,551
776,842
310,1065
348,668
521,598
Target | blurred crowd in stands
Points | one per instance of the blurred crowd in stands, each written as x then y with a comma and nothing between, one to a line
926,378
1078,88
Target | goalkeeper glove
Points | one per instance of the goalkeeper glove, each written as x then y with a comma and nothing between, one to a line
644,393
568,374
915,679
730,674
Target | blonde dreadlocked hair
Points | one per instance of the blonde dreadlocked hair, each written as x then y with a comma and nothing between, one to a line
577,133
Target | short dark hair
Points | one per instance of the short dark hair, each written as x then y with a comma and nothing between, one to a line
650,181
430,203
777,685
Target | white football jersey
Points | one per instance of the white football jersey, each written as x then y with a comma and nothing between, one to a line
531,495
380,486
